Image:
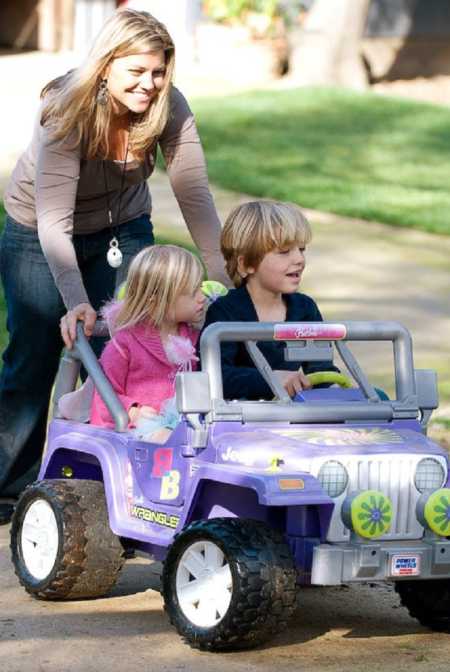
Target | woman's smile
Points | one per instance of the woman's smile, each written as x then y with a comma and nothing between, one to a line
135,81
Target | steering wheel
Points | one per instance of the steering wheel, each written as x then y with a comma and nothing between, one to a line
330,377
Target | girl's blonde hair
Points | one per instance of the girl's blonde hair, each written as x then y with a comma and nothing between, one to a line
157,276
253,229
73,109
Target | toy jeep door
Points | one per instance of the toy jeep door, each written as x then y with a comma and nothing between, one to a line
160,472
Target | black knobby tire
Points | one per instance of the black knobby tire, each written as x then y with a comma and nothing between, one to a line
263,594
89,556
427,601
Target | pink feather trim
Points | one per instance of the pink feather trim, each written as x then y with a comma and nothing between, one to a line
109,313
180,351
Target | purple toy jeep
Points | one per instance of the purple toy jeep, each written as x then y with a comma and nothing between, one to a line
247,499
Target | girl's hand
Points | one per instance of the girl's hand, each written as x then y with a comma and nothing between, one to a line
293,381
147,412
68,323
141,412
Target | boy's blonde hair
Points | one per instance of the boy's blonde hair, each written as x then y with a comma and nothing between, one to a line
157,276
72,107
253,229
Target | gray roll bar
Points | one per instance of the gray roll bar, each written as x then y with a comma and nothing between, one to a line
356,371
265,370
312,412
69,370
210,401
221,332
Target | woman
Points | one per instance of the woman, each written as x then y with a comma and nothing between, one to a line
78,209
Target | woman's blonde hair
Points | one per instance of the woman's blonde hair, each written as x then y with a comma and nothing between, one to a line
73,109
157,276
253,229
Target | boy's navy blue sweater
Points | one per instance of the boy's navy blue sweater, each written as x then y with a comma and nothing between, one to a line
240,377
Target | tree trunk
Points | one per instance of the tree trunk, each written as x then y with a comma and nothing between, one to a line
327,50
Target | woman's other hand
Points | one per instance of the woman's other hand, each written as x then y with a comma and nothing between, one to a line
293,381
68,324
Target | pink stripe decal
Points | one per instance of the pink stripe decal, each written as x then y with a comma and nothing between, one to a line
309,331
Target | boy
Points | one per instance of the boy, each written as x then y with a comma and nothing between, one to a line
263,243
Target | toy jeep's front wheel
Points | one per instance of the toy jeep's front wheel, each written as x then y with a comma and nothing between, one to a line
229,583
428,601
61,543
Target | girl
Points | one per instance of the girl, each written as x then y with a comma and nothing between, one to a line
152,339
78,209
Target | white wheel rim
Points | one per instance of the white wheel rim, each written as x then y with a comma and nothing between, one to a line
39,539
204,584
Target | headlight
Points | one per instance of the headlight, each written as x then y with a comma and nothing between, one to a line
333,478
430,475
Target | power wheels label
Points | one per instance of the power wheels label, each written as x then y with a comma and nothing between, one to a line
152,516
405,565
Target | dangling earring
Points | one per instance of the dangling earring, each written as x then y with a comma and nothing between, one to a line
102,93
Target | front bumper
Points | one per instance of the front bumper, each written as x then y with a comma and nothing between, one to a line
427,558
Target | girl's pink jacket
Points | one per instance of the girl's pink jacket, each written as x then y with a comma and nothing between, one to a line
139,370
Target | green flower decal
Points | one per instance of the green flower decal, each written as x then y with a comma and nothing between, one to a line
437,512
371,514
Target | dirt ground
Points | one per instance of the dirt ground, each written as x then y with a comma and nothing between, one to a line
362,629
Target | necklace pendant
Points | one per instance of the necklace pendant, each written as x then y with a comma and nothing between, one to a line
114,256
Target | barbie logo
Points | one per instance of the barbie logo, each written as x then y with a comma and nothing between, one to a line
309,331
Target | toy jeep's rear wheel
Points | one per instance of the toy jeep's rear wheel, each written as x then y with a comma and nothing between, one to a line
229,583
428,601
61,543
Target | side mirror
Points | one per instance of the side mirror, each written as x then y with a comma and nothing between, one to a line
427,393
192,392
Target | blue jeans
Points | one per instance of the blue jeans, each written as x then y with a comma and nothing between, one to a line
34,309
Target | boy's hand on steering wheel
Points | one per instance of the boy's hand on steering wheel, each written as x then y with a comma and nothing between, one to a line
293,381
68,323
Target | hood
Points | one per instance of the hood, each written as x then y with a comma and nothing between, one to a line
293,447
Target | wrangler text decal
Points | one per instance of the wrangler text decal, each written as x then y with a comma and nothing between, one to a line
158,517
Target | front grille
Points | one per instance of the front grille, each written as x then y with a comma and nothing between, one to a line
393,475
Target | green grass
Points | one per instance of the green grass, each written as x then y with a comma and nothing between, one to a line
443,422
360,155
